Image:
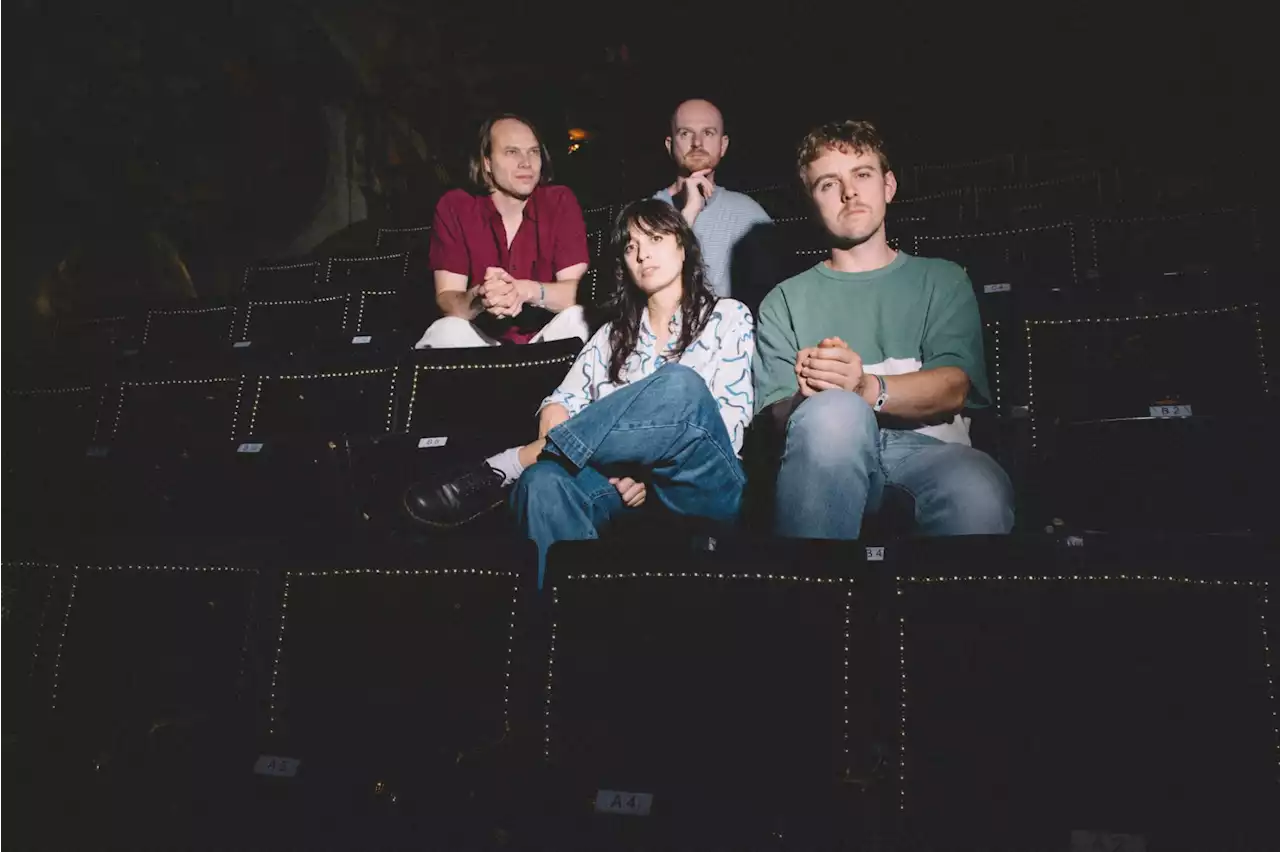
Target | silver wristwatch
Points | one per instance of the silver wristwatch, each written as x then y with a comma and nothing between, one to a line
884,393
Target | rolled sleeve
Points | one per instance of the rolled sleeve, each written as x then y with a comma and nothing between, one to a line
448,248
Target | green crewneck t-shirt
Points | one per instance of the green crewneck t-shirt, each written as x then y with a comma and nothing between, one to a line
914,314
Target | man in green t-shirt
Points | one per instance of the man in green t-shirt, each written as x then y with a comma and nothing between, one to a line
867,359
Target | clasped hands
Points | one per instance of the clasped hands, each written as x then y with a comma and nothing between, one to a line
502,295
831,365
828,366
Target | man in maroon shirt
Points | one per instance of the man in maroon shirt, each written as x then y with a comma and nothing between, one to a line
507,260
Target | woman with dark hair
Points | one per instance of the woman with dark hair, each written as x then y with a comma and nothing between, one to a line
658,399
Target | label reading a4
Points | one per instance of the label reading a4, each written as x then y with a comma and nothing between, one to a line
271,764
621,802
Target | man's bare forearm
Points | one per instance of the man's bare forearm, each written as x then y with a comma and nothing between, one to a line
559,295
459,303
925,396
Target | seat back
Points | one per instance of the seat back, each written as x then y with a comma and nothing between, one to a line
1045,690
731,686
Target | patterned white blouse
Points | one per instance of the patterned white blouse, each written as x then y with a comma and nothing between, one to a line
721,355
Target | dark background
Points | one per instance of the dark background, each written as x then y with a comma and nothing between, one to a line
192,135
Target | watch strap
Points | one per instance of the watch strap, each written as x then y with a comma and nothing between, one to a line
883,397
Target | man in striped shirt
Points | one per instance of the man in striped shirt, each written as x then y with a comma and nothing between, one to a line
734,231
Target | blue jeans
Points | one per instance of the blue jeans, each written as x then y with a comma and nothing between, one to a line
665,429
837,462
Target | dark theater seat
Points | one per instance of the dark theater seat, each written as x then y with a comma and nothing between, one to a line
1121,685
456,406
145,707
397,680
734,686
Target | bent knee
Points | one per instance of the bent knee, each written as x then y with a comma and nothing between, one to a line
682,382
832,418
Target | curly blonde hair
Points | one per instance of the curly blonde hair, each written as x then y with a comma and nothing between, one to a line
859,137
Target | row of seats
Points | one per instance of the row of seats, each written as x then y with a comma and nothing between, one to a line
1076,368
1001,170
1076,401
949,695
386,300
375,300
299,441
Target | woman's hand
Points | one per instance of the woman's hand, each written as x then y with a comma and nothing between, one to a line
632,492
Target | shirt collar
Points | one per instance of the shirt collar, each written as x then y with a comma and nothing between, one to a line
530,207
677,322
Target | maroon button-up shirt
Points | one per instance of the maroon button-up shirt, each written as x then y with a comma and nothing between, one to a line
468,237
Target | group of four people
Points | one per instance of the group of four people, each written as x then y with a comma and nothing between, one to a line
864,363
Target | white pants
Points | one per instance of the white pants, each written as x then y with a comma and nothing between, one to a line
457,333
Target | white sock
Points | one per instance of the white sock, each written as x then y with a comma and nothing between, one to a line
508,464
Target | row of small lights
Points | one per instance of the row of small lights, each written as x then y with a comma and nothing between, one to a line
398,572
902,711
1029,324
249,306
44,609
58,391
1139,220
436,368
328,278
314,266
1266,659
413,230
940,167
1030,362
1262,352
565,359
421,572
49,391
71,599
364,295
62,639
551,664
391,396
275,668
1007,232
1135,317
146,331
994,325
146,327
902,747
706,575
902,645
115,426
511,650
848,604
1058,181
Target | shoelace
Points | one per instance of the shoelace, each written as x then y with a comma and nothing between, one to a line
477,480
